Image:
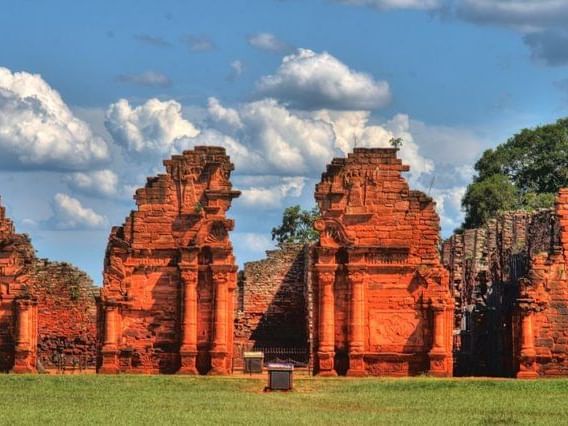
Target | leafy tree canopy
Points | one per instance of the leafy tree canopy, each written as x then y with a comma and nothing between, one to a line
297,226
523,173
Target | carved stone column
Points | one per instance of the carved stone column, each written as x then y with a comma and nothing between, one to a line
527,358
326,351
219,349
356,324
188,348
25,350
110,344
438,353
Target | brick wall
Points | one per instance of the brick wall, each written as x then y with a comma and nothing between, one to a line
272,311
491,268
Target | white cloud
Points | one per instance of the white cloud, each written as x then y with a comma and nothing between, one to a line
149,129
37,129
70,214
395,4
268,42
237,69
273,196
252,241
198,43
98,182
310,80
525,15
147,78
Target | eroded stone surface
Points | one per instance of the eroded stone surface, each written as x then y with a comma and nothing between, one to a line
271,306
167,303
382,303
509,279
47,309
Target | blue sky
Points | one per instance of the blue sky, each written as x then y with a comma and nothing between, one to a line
94,95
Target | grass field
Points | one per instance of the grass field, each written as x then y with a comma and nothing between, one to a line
155,400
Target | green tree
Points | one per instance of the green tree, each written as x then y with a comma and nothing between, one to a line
523,173
297,226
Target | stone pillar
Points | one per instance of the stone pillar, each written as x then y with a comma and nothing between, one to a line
188,348
110,343
438,354
527,358
356,324
219,349
25,350
326,352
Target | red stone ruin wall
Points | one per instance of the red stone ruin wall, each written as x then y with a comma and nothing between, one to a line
511,295
66,313
382,304
272,314
46,309
168,298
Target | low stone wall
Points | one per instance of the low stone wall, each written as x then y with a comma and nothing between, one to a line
271,308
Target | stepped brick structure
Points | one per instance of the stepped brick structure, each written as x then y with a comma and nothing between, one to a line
511,287
382,303
47,309
272,306
167,303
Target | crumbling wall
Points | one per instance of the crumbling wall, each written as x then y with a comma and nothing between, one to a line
272,315
382,303
66,315
490,270
47,309
168,297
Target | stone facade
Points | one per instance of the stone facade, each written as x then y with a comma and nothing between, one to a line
271,309
511,292
47,309
382,303
167,303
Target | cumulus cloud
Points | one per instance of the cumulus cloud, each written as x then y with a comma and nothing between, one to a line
525,15
198,43
69,213
147,78
252,241
37,129
151,128
268,42
273,196
542,22
395,4
99,182
310,80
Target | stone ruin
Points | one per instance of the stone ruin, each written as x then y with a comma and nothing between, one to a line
168,298
511,293
382,304
371,297
272,308
47,309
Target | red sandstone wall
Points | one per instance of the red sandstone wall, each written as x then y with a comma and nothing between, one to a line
509,283
66,315
382,303
272,314
168,298
46,308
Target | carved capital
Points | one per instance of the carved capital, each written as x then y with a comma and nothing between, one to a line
356,277
220,277
188,276
326,278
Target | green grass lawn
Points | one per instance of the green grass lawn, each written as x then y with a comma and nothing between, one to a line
152,400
